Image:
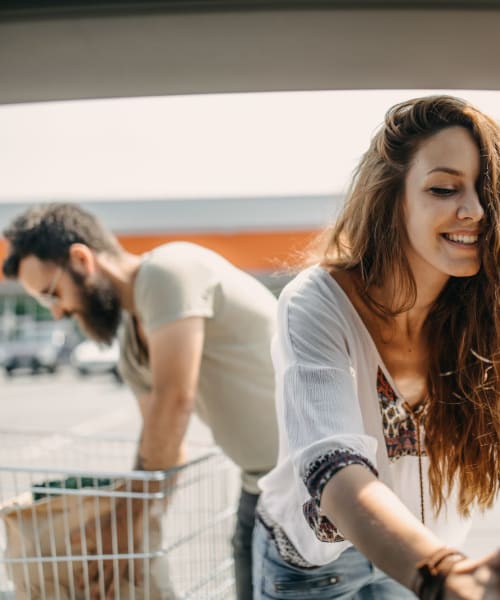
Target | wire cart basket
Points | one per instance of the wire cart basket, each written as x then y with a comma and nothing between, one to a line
168,532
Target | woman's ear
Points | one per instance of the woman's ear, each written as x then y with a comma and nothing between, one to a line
82,259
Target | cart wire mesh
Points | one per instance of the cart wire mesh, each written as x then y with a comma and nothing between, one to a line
74,518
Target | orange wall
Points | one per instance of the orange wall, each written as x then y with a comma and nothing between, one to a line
252,251
262,251
3,247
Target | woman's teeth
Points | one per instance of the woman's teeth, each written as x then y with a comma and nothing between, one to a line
462,239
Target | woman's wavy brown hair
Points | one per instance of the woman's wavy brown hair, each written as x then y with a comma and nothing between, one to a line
462,422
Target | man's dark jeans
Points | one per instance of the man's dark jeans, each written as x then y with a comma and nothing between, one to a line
242,545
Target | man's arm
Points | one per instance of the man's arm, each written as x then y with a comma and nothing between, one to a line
175,352
175,356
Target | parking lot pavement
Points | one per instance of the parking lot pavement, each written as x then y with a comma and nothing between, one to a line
67,403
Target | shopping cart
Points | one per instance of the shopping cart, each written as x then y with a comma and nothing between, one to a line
52,485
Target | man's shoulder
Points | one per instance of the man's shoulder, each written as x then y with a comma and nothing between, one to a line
179,251
175,260
174,281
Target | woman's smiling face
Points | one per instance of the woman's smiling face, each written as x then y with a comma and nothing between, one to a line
442,208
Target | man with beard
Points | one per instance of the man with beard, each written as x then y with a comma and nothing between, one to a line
194,335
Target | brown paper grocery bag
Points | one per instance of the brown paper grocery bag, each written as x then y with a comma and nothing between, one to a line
42,529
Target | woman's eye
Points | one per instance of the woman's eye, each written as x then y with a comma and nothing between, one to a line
440,191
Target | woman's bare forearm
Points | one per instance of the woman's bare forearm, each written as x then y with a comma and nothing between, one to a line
373,518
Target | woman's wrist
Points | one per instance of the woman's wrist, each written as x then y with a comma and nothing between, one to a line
431,573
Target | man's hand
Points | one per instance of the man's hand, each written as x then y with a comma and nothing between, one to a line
117,531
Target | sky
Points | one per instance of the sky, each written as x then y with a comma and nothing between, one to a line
193,146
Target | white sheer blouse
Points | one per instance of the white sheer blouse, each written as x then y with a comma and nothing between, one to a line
337,405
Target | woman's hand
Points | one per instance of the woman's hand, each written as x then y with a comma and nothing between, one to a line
474,579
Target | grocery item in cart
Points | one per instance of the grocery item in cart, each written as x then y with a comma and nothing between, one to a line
39,537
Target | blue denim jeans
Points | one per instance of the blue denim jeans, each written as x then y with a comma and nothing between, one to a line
351,576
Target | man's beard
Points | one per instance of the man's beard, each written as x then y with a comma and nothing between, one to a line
100,312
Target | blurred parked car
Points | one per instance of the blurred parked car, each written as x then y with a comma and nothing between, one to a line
34,349
2,352
89,357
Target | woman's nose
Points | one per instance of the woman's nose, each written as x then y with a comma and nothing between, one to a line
470,207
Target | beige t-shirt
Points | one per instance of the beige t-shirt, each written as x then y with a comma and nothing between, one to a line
236,384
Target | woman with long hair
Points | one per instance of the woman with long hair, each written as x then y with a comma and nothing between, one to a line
387,362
